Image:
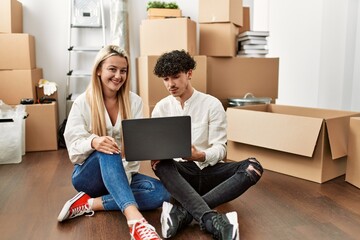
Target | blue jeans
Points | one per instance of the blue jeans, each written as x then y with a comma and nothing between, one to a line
199,191
104,175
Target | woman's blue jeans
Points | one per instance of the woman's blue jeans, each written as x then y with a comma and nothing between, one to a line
103,175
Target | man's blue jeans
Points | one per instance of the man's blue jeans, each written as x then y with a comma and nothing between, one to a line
199,191
104,175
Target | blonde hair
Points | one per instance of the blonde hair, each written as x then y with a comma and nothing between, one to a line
94,92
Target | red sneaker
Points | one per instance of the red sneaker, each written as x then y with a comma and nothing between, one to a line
142,230
75,207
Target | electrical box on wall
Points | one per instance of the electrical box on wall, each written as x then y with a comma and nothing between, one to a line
86,13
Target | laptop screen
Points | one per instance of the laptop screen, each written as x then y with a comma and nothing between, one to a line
157,138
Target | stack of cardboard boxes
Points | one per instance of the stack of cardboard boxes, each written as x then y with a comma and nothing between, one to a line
307,143
19,77
219,72
158,36
229,76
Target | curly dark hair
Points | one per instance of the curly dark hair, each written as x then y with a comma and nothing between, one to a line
174,62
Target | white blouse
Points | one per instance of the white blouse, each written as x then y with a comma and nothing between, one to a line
78,134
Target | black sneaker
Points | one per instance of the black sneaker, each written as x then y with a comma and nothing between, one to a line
173,218
225,227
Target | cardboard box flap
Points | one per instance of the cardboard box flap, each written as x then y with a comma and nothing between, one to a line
337,123
338,129
287,133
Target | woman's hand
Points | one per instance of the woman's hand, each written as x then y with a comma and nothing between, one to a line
105,144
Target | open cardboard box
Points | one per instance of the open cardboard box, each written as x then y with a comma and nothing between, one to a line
307,143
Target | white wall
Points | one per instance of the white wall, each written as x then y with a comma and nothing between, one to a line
314,39
318,45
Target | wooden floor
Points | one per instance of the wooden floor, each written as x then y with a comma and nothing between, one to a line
279,207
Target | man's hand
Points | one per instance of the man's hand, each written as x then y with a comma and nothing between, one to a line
196,155
105,144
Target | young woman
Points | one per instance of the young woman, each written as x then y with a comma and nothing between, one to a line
104,179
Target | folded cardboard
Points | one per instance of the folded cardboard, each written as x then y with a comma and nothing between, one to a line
246,20
11,16
19,49
218,39
160,13
353,162
152,89
154,36
18,84
234,77
307,143
215,11
41,127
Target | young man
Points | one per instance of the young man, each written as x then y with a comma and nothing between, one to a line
203,181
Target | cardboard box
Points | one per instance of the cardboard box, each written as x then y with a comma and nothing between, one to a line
160,13
218,39
246,20
151,88
353,161
215,11
307,143
19,49
41,127
154,36
18,84
148,110
40,93
11,16
238,76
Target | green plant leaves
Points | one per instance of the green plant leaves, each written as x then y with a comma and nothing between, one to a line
160,4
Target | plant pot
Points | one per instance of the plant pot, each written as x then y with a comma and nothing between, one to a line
155,13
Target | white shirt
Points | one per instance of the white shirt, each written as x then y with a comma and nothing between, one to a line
78,134
208,123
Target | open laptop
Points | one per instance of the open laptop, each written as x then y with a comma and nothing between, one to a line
157,138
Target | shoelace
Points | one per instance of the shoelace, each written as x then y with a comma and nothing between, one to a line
145,230
219,223
80,210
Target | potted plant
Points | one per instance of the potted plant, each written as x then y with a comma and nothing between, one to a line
159,9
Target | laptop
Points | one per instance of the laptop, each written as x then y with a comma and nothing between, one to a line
157,138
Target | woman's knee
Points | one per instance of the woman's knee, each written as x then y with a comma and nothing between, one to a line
162,192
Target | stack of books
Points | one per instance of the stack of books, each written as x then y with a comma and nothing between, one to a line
253,44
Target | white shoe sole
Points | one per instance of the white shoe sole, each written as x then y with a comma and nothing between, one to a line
166,208
233,219
65,209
